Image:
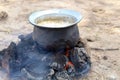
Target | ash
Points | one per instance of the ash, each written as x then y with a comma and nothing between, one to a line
29,61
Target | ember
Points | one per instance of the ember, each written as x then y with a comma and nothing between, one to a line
46,53
27,61
69,63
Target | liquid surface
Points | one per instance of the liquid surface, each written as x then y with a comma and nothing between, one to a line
55,20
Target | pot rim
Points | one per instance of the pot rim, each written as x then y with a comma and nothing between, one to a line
34,15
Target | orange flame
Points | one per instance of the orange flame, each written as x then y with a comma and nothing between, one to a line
69,63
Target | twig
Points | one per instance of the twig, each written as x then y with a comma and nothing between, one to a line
108,49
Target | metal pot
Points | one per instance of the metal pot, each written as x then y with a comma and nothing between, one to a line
56,37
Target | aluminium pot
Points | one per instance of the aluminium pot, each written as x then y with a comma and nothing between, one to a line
52,37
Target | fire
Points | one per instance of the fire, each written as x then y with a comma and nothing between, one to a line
69,63
67,51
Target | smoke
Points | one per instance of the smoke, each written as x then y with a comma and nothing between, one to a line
3,75
28,61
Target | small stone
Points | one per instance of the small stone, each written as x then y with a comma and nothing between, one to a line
71,70
62,75
3,15
90,40
51,72
98,10
105,57
56,66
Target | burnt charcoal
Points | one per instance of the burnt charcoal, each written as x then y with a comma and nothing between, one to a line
55,66
10,51
2,53
75,57
13,50
29,61
84,55
51,72
59,61
13,60
48,78
80,44
62,76
9,58
79,59
71,69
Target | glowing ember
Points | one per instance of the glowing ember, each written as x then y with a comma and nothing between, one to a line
69,64
28,61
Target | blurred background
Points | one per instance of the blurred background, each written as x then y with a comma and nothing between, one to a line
100,28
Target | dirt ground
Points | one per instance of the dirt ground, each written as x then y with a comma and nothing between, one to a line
100,27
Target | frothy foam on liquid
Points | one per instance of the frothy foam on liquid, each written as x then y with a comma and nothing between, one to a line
55,20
